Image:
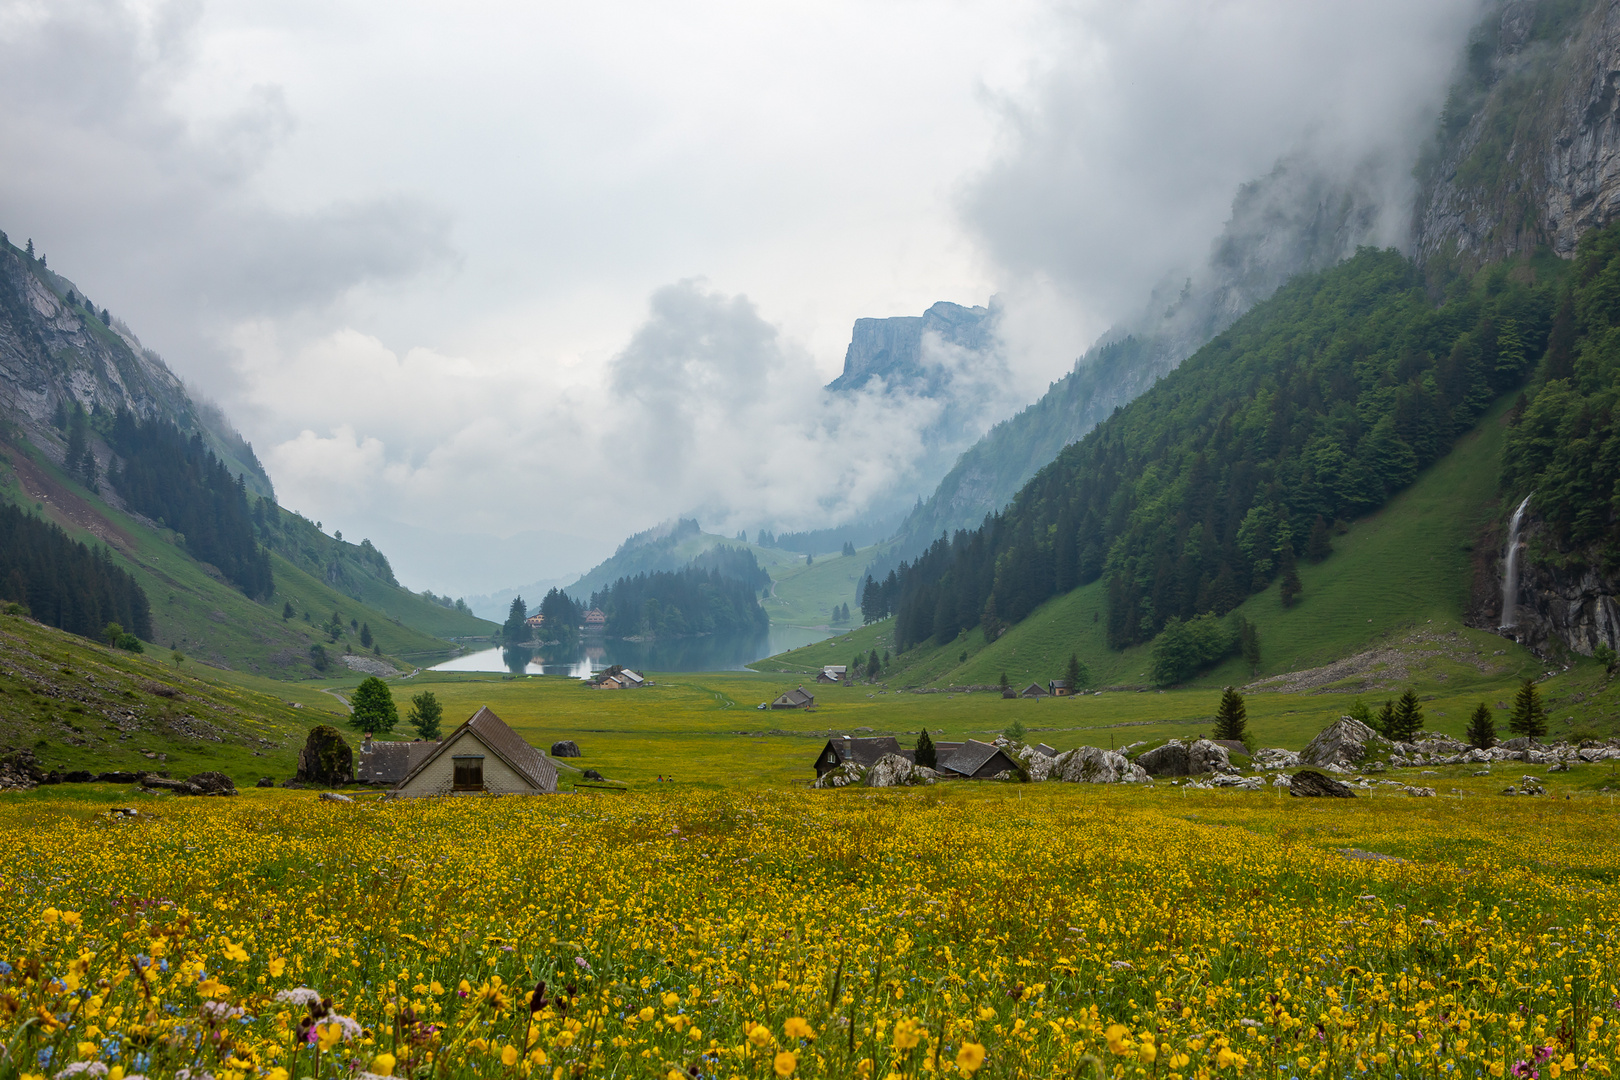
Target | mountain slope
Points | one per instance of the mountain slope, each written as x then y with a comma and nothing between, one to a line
1389,575
1299,218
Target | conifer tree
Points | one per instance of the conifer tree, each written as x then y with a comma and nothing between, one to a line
1231,717
1075,673
1407,719
426,714
1481,728
926,755
1291,586
365,635
1383,720
1529,716
1320,544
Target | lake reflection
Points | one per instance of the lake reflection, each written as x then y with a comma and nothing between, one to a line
715,652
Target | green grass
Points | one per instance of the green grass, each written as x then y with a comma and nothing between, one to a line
804,595
79,705
213,622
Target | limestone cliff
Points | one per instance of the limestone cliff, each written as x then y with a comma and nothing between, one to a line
1561,602
56,349
1528,152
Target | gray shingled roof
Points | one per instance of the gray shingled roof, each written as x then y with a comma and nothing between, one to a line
505,743
390,762
970,757
864,751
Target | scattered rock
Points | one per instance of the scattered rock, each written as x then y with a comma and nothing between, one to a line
1562,766
565,748
332,796
117,777
846,774
592,774
325,758
78,776
173,787
1308,783
266,781
1273,757
212,783
19,770
1369,856
1419,792
370,666
1242,783
1483,772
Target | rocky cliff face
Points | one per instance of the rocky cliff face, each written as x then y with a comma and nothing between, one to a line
1562,602
902,351
56,350
1529,148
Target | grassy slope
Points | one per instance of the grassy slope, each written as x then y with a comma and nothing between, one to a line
805,595
79,705
205,617
1391,572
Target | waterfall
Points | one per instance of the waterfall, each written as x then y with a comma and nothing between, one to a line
1510,568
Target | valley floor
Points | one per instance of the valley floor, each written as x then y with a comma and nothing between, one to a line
1013,930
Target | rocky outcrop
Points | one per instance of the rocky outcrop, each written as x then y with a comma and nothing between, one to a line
1537,159
1205,756
1090,765
1176,758
893,770
1309,784
565,748
848,773
1344,742
1273,757
325,758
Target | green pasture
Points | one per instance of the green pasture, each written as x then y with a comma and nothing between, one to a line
805,595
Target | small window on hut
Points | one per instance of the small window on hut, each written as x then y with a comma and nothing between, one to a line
469,773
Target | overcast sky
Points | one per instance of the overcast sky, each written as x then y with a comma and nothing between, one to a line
478,272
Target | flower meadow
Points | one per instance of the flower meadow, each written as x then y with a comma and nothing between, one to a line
985,931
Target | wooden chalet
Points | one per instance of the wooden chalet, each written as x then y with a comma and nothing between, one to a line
595,619
1033,690
832,673
797,698
483,755
1059,688
616,678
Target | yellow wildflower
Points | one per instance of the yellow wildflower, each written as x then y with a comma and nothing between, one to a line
785,1063
970,1057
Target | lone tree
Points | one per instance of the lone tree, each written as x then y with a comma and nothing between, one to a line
1383,720
1529,716
426,712
373,707
1481,728
925,750
1291,585
365,635
1079,678
1005,685
1407,719
1249,644
1231,717
872,665
286,611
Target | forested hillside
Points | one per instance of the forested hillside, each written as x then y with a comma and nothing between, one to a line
1317,406
64,583
680,603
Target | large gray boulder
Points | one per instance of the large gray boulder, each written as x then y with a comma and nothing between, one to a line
1308,784
1171,759
1090,765
1205,756
893,770
325,759
1346,741
565,748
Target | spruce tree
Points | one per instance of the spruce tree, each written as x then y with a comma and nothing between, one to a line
1529,717
1076,673
1249,643
1481,728
926,756
365,635
425,715
1407,719
1383,720
372,708
1231,717
1320,545
1291,586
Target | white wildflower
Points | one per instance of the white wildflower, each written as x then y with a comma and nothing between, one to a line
301,996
